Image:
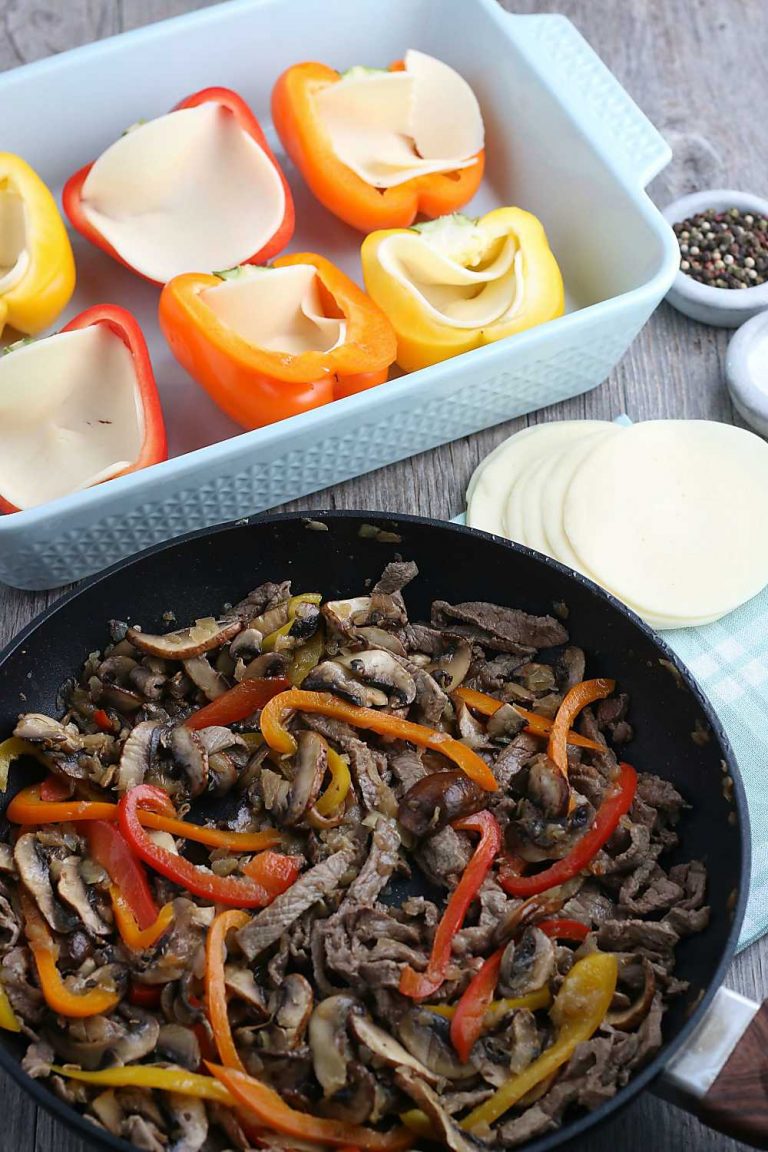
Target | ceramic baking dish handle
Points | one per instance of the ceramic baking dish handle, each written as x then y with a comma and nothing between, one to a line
595,99
720,1075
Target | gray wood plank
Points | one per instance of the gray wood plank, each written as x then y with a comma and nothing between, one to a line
697,68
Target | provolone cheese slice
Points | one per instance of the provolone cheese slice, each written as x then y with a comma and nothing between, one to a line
279,309
14,257
187,192
555,484
69,415
391,126
672,516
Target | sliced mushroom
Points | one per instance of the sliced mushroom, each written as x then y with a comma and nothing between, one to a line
116,669
189,754
72,890
343,615
36,877
139,1039
387,1049
309,769
427,1037
179,1045
306,621
185,643
241,982
137,754
378,668
548,788
148,682
329,1041
246,645
451,669
505,723
450,1135
293,1013
115,696
85,1042
627,1019
202,673
528,964
375,637
471,731
355,1103
264,666
223,773
191,1130
437,799
329,676
107,1110
51,733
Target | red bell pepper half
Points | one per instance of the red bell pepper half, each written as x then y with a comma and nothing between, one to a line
72,196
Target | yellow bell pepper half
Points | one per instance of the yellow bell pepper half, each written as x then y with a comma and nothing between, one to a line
37,268
454,284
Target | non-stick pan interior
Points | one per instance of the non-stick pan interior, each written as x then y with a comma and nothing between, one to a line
676,735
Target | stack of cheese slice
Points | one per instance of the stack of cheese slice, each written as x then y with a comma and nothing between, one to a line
671,516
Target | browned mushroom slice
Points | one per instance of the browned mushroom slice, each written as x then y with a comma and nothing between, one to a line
72,890
137,753
548,788
246,645
379,668
387,1050
205,676
627,1019
185,643
309,769
179,1045
50,733
36,877
445,1128
427,1037
241,982
438,799
526,965
263,667
450,669
329,1041
191,1128
505,723
115,696
188,752
330,676
293,1013
375,637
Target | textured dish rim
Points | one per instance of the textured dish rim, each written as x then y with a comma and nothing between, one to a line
684,287
74,1120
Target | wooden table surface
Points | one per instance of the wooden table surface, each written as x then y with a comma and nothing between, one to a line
697,68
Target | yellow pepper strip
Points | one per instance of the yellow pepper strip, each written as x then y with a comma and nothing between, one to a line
11,749
497,274
578,1011
532,1001
304,659
418,1122
130,933
336,793
268,643
41,280
8,1019
149,1076
324,704
79,1005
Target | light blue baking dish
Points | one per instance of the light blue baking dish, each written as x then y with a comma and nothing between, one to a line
564,141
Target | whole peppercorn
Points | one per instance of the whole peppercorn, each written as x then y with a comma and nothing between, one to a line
726,249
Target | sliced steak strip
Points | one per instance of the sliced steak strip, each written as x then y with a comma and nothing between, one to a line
268,925
382,860
499,628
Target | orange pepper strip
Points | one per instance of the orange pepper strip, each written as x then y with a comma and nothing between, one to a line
324,704
27,808
535,724
572,703
215,990
130,933
58,996
273,1112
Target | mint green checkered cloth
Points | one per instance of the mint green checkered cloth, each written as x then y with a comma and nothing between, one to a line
729,659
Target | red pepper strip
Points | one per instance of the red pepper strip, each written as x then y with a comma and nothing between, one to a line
564,929
419,985
511,866
79,1005
274,871
55,789
572,703
324,704
272,1111
144,995
238,702
130,934
108,848
468,1019
28,808
231,890
535,724
616,804
102,720
215,988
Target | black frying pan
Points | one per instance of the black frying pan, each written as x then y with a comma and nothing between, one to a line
196,575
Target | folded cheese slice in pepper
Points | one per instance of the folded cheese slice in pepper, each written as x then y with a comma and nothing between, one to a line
389,127
69,415
278,309
186,191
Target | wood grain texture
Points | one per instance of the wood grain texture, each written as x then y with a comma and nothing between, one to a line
697,68
737,1102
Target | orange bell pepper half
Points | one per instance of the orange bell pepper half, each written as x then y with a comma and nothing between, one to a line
72,196
258,385
336,186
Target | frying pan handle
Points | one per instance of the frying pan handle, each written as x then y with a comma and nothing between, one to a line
722,1073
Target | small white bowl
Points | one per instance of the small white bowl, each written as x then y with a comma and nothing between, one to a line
722,307
746,372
